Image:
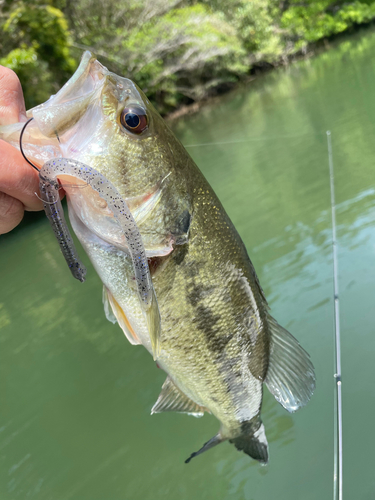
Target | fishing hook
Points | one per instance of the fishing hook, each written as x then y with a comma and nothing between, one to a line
21,149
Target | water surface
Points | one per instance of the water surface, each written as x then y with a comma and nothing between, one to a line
75,396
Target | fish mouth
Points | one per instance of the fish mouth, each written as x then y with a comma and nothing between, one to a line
43,139
64,109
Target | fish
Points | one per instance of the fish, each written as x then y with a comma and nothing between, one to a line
218,343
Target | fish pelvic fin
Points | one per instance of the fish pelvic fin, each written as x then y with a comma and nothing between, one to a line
290,376
154,325
109,314
252,440
172,398
114,312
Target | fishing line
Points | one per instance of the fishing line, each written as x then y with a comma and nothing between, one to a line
38,169
337,470
252,139
21,149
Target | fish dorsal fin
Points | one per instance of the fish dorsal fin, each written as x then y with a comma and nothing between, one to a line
172,399
290,376
114,313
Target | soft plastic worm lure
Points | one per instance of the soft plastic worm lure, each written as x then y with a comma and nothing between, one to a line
49,190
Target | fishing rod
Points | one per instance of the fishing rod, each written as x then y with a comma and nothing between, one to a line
337,470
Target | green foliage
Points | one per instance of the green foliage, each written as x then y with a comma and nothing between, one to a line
45,28
321,19
255,25
36,45
184,53
32,71
178,51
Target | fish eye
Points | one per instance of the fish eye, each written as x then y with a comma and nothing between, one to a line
134,119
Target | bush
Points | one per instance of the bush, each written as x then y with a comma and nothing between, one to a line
39,43
37,80
178,51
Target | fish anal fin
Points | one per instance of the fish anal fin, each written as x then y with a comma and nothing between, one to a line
172,399
290,376
120,316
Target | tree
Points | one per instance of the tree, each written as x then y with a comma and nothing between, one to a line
36,45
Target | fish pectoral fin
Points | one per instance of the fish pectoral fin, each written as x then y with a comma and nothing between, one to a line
172,399
290,376
115,313
142,206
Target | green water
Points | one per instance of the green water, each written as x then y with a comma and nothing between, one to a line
75,396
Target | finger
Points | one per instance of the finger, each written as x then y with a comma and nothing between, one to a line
12,104
17,178
11,213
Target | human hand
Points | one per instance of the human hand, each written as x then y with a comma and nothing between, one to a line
18,180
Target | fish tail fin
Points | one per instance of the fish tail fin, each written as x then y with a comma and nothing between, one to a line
290,376
251,439
252,442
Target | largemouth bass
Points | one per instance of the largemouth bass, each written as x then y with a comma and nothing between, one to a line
218,343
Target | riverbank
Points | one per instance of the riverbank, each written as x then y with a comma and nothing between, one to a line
312,50
180,52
